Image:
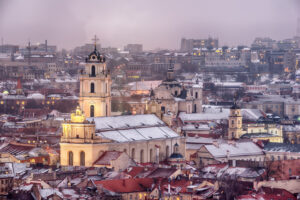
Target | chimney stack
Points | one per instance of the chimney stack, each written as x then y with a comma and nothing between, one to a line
46,45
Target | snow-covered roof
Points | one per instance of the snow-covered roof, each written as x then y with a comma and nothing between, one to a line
35,96
126,121
218,113
136,134
238,149
132,128
193,127
144,85
45,193
201,140
282,147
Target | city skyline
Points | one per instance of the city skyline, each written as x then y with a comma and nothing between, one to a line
153,24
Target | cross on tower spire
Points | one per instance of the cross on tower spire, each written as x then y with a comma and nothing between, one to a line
95,39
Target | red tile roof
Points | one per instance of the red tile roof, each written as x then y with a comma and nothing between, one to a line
268,194
138,171
126,185
107,156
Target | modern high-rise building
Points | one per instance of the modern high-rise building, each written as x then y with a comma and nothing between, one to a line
187,45
134,48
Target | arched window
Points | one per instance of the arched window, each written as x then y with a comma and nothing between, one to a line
167,151
92,111
93,71
82,158
196,95
151,155
92,87
70,158
142,156
133,153
195,108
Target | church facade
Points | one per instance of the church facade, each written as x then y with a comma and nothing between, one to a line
91,131
145,138
171,97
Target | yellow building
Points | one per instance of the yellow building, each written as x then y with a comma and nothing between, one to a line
235,123
256,131
270,132
145,138
95,87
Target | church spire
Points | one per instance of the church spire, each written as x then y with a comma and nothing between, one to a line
95,39
170,73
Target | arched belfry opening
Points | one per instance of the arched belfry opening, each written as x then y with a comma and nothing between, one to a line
82,158
92,87
70,158
93,71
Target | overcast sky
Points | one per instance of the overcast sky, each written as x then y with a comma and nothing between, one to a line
154,23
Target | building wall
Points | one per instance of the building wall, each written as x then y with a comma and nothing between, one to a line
93,151
6,185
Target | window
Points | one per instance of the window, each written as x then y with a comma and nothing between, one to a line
232,122
70,158
93,71
92,111
82,158
290,172
142,156
278,157
92,87
195,108
196,95
151,155
167,151
133,153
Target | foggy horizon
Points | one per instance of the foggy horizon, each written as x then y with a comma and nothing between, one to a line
154,24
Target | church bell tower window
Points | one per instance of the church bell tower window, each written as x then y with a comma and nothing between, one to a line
92,88
93,71
82,158
71,158
92,111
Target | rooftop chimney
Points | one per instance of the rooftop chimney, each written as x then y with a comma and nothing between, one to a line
46,45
